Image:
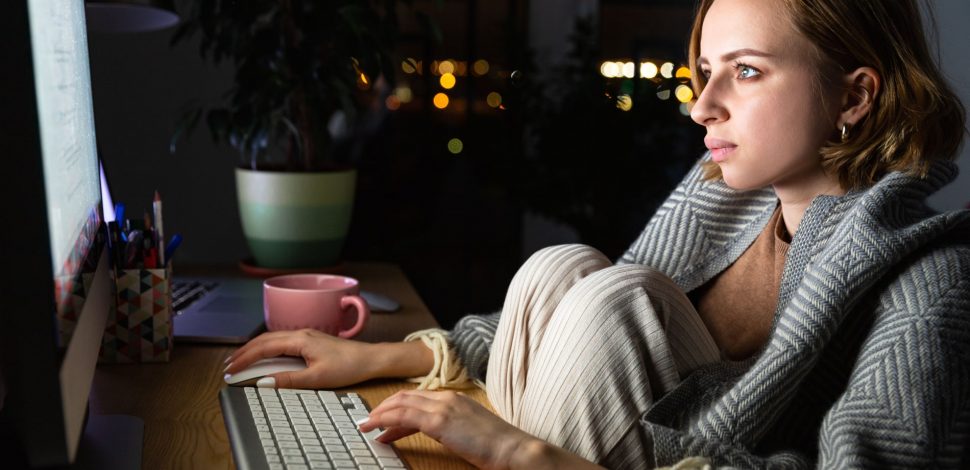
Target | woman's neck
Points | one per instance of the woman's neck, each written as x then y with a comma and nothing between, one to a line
795,199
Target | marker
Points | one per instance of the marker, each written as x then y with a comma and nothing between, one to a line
173,244
120,219
159,233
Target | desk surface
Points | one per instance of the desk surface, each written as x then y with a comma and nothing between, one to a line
179,400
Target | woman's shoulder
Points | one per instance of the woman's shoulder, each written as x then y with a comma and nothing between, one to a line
934,280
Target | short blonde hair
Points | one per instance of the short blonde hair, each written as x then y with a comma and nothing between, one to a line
915,118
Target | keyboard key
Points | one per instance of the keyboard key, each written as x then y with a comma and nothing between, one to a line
339,456
317,456
313,449
321,465
379,449
344,464
390,462
365,461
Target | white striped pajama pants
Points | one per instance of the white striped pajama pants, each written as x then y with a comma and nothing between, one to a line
584,347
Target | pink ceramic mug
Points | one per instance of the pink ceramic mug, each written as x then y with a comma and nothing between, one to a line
320,301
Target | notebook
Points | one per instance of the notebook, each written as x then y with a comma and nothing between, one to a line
208,309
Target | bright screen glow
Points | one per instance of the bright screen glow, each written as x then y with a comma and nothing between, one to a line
65,112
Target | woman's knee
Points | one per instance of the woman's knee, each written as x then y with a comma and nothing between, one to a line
609,290
556,263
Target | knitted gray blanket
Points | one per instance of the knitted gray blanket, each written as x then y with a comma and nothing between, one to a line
868,363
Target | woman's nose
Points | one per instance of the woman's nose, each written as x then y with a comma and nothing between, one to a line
708,109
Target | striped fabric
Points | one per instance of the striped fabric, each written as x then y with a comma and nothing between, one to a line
575,325
868,364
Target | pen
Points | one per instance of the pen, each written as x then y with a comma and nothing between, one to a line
133,254
159,232
120,219
173,244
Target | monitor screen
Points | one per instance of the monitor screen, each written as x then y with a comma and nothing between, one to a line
57,284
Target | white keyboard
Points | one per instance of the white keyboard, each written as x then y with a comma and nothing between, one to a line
302,429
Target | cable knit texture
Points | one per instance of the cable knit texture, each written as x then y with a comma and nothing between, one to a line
868,362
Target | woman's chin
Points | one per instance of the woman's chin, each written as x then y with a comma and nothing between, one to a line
740,184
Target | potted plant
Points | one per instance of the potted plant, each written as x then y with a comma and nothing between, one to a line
303,69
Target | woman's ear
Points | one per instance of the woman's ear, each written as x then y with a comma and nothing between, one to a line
861,88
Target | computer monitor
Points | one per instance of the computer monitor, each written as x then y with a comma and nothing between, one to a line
56,289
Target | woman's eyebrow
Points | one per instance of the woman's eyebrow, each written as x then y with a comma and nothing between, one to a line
737,53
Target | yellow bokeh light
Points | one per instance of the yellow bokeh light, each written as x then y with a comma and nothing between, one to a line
403,94
667,70
441,101
407,66
363,82
648,69
609,69
624,102
480,67
455,146
447,81
392,103
446,66
494,99
684,93
683,72
628,69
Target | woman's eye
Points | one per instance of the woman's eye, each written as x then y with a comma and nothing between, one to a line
745,72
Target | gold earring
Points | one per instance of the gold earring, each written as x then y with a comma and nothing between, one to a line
845,132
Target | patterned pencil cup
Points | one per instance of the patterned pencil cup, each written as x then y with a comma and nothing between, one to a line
139,328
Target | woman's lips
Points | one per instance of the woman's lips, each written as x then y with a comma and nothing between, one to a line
720,154
719,148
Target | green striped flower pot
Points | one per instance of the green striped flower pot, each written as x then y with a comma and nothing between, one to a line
295,220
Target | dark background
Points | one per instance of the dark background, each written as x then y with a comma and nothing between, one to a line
559,164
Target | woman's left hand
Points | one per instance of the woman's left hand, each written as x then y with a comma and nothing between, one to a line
456,421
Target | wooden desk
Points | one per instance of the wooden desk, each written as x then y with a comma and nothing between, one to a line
179,400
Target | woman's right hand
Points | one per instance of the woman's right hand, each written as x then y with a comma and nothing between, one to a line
332,362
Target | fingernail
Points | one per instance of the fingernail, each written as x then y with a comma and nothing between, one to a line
227,360
379,436
227,367
361,421
266,382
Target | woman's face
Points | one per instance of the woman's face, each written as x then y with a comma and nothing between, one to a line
765,123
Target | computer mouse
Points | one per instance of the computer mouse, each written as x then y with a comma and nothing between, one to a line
264,367
379,302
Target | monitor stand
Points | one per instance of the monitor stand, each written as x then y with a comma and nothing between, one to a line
111,441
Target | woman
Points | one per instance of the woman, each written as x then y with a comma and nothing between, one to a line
825,320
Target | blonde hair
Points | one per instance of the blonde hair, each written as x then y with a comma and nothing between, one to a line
915,118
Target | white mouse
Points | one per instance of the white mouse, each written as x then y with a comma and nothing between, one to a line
264,367
379,302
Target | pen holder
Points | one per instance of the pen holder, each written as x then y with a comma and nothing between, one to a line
139,327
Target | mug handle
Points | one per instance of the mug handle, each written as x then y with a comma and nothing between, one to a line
363,312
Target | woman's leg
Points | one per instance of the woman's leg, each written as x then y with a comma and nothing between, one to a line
535,292
580,373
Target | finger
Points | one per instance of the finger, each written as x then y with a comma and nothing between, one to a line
392,434
306,378
405,398
283,346
257,342
408,418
